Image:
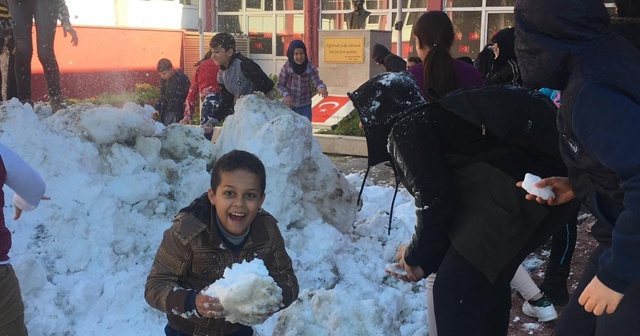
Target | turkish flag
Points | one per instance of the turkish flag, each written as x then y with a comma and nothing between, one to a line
326,107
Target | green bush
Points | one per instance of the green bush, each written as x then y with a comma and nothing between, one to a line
349,125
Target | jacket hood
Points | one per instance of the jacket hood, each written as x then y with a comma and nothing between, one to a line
379,52
550,32
381,102
505,39
629,28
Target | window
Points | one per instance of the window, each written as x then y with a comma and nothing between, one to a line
463,3
289,27
466,28
230,6
230,23
289,5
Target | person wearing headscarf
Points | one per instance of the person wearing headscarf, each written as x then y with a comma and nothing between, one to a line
294,78
504,69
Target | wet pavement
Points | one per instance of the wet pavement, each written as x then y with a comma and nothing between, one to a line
379,174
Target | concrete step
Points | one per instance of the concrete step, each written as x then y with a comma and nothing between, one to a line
331,144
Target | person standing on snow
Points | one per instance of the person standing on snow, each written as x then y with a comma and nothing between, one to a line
29,190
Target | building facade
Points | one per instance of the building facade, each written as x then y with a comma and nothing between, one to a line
271,24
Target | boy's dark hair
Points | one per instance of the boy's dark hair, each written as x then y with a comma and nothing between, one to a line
236,160
164,65
224,41
414,59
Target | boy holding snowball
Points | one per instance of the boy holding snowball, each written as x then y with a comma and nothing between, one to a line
218,230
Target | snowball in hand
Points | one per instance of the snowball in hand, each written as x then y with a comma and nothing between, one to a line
528,185
247,293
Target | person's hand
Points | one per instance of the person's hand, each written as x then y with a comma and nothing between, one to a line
598,298
66,28
185,121
414,273
323,92
209,306
561,188
287,100
155,115
18,212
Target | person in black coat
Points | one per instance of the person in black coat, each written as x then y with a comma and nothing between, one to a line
174,87
598,124
473,223
504,68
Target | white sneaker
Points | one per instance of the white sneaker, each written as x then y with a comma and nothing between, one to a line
543,311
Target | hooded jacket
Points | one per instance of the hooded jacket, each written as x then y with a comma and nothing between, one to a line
463,182
504,68
568,45
192,256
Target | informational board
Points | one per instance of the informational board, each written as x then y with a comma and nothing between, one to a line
343,49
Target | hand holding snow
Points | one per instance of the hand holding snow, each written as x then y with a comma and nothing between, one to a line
247,293
528,185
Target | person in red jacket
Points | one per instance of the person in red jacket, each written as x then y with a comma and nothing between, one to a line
205,84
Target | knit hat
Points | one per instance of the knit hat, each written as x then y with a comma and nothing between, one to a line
224,41
297,68
164,65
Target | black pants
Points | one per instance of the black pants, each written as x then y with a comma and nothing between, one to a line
45,14
466,302
243,331
575,321
563,243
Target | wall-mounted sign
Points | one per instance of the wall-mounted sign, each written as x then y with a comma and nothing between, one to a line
343,49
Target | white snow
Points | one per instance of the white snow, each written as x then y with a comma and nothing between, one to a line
82,258
528,185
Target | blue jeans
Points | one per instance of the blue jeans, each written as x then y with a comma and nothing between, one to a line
45,14
304,111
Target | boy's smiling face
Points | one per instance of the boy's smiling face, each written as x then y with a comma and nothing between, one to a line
237,199
221,56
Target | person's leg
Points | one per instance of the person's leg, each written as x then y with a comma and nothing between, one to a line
474,306
304,111
242,331
22,13
536,304
431,315
624,321
574,320
46,17
563,245
523,283
11,306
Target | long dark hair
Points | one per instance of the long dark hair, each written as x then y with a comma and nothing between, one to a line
435,30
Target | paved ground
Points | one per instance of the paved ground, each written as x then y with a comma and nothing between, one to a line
520,324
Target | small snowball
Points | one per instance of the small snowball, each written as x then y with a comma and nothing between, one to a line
528,185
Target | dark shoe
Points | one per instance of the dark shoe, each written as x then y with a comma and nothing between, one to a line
57,103
27,101
556,291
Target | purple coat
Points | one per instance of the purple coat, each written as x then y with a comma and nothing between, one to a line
466,74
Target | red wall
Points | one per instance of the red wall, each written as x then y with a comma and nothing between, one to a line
107,59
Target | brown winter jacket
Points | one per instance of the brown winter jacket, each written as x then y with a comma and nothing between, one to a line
191,256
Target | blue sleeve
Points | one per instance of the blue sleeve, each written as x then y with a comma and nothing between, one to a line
607,123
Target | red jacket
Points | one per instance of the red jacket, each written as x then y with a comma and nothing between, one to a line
205,81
